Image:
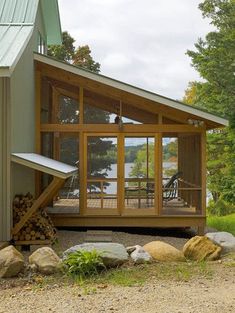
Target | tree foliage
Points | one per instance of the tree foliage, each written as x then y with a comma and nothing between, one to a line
64,52
82,58
214,59
67,52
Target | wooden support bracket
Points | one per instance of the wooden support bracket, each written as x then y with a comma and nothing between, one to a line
42,201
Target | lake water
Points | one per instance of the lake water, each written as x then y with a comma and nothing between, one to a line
128,167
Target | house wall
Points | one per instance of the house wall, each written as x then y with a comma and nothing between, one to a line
5,135
17,129
23,111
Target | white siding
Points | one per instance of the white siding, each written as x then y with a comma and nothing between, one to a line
17,129
23,112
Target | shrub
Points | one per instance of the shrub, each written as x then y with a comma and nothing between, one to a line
83,263
220,208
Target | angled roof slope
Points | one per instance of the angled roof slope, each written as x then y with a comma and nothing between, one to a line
17,19
18,11
218,121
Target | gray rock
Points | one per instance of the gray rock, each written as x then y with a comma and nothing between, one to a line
139,255
46,260
11,262
112,254
224,239
131,249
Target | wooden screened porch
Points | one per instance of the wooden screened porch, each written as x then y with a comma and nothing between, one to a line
127,144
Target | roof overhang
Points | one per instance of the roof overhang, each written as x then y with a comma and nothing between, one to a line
213,120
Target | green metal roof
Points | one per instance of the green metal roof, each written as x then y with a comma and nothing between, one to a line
17,19
51,17
18,11
13,40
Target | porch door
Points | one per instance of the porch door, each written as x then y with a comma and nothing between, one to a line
102,182
140,174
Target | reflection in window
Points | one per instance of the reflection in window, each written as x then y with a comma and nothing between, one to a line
93,115
139,172
69,154
100,109
46,102
68,111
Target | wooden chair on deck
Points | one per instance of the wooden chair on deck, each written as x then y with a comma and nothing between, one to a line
170,187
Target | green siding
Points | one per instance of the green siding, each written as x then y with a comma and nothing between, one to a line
5,136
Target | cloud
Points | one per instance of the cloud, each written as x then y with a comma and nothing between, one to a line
140,42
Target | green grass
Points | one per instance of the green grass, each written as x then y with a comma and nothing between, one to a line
138,275
222,223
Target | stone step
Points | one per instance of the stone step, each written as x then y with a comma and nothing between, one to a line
98,236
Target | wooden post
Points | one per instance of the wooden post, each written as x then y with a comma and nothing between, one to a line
81,106
121,174
38,91
158,174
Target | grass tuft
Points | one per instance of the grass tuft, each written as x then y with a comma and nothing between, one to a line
222,223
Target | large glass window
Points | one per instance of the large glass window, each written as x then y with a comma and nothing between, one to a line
46,102
181,184
68,110
139,172
99,109
102,172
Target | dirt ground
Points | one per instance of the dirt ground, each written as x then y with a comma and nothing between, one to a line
200,294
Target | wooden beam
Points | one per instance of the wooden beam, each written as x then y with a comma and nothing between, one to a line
158,174
203,172
74,220
129,128
38,92
121,174
152,106
81,105
42,201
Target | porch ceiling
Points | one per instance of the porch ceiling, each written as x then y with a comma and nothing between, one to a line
140,102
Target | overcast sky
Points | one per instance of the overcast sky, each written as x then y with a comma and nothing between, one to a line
139,42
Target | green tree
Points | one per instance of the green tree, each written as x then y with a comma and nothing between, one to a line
64,52
82,58
139,168
214,59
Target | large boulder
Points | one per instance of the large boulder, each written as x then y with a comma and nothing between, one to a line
201,248
223,239
162,251
46,260
11,262
139,255
112,254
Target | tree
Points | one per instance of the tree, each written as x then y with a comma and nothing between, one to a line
64,52
82,58
214,59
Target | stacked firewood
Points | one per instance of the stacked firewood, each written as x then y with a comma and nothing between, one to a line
38,227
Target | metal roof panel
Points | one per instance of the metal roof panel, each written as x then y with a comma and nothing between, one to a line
13,39
18,11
